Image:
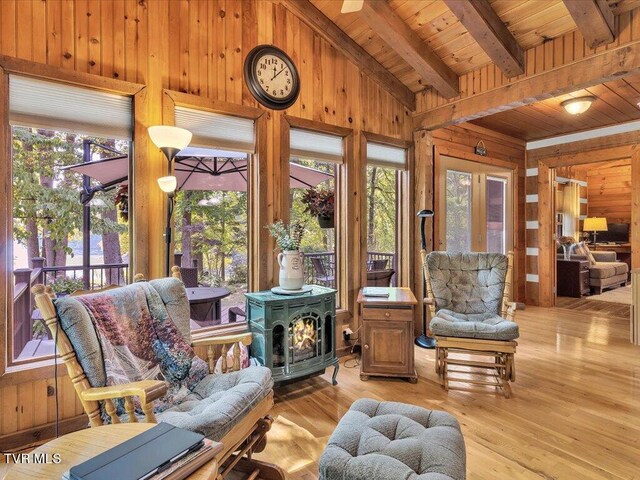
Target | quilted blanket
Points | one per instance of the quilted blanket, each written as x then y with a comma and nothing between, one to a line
140,341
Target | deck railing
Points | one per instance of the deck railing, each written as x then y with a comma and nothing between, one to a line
328,260
99,276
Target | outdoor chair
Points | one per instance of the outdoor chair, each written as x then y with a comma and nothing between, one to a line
379,278
125,348
323,277
189,276
379,264
468,298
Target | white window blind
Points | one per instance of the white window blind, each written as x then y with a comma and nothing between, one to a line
322,146
216,130
386,156
57,106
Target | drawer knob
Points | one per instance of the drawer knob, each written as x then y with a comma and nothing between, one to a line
387,314
366,347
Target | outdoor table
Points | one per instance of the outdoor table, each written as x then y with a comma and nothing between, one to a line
205,303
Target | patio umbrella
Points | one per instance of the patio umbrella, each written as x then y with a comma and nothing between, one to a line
199,169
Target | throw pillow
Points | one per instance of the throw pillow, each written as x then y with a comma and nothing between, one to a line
582,249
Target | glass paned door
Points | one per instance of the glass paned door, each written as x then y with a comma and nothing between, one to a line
458,211
496,204
474,207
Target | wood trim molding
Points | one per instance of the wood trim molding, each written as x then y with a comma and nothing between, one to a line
58,74
320,127
581,147
493,36
6,224
198,102
330,32
388,25
386,140
602,67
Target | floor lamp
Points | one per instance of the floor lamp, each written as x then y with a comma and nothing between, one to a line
424,340
170,140
168,185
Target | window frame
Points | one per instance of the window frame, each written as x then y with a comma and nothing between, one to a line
257,205
13,372
404,201
346,182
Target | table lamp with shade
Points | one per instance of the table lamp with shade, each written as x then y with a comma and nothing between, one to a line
595,225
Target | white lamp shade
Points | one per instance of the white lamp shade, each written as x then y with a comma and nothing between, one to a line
166,136
576,106
168,184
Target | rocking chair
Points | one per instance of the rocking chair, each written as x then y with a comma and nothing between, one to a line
468,298
231,408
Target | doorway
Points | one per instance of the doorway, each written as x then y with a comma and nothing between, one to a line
476,201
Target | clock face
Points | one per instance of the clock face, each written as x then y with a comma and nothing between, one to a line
272,77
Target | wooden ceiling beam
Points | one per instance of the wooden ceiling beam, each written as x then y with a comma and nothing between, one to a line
602,67
330,32
594,19
487,29
405,42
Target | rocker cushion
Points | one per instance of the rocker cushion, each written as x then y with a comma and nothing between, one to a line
219,401
388,440
486,326
468,282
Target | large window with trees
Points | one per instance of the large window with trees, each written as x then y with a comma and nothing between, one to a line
385,165
70,168
314,171
211,214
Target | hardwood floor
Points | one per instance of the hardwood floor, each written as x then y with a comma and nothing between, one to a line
574,414
596,307
575,411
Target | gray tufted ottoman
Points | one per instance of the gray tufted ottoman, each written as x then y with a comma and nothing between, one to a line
389,440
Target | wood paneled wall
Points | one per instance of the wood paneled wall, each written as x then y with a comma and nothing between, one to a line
555,52
197,47
460,142
609,192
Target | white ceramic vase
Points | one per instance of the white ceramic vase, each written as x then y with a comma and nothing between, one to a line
291,269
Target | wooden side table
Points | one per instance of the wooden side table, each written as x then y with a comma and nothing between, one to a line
573,278
387,335
77,447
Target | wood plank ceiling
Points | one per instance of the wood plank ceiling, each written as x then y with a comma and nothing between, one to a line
530,22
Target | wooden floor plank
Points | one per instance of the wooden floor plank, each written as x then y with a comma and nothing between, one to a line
575,410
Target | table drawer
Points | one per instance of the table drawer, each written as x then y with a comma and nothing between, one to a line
382,313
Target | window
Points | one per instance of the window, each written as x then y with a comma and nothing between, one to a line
314,173
212,212
477,206
384,166
70,168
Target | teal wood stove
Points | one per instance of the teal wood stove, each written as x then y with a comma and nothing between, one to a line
294,335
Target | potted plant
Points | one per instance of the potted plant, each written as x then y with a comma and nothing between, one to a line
321,204
288,238
63,286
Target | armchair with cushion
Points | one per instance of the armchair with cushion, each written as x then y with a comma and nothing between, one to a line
128,351
468,298
605,270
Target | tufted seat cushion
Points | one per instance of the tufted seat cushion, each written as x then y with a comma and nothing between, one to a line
219,402
388,440
608,269
475,325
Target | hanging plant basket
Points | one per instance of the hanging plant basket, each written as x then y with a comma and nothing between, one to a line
326,221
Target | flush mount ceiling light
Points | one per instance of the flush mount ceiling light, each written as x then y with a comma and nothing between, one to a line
576,106
350,6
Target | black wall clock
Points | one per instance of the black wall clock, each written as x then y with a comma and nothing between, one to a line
271,77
